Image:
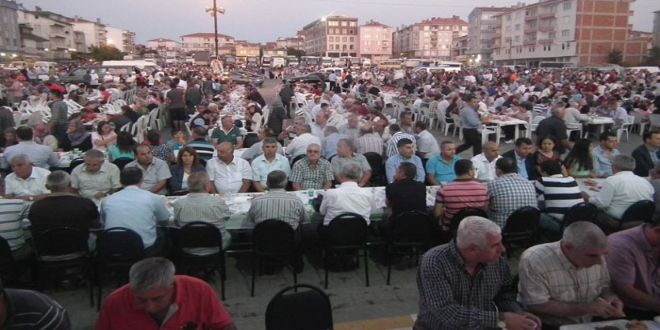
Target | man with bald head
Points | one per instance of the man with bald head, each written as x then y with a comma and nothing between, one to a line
155,171
484,163
228,174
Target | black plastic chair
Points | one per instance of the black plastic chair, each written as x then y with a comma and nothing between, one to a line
580,212
64,252
8,266
196,235
296,159
303,310
378,177
639,212
409,235
521,228
464,213
274,244
344,237
74,163
117,249
121,162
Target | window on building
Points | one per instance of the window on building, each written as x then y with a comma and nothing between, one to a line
351,39
331,38
343,31
565,20
344,23
565,33
517,27
350,47
567,5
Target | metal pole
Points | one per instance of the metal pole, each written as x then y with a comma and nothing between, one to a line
215,26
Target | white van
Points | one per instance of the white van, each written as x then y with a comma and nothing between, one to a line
140,64
650,69
328,71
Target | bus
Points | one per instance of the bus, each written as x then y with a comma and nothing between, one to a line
449,66
266,60
310,60
326,61
292,60
390,64
555,65
348,61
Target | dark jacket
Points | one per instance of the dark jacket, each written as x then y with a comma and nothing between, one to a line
176,180
643,161
529,163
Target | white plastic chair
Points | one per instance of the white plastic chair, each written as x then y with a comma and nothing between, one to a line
487,131
637,121
625,127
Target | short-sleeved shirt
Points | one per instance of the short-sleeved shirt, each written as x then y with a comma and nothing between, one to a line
195,303
153,174
442,171
261,167
89,184
406,195
228,178
508,193
278,205
546,274
312,177
29,309
559,193
462,194
338,162
114,153
11,215
34,185
64,210
222,136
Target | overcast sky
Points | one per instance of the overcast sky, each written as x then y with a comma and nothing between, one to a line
266,20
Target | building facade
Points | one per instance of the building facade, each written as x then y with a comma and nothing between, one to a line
293,42
245,49
95,33
580,32
167,50
332,36
10,37
429,39
375,41
656,28
123,40
50,26
481,30
206,42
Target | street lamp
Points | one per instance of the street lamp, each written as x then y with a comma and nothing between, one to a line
215,11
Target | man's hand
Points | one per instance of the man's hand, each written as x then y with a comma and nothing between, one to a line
603,308
99,195
616,303
516,321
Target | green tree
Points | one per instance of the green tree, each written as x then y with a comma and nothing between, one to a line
106,53
615,57
654,56
295,52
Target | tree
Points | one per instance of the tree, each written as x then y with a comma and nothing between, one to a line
106,53
615,57
295,52
654,56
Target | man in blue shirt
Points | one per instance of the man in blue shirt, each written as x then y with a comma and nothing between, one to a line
604,154
522,155
471,124
406,155
136,209
440,168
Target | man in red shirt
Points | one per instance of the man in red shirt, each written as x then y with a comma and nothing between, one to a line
464,192
157,299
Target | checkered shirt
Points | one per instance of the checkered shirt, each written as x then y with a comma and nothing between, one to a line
508,193
309,177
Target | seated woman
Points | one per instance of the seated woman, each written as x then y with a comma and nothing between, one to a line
78,135
186,164
579,162
159,150
546,150
104,136
125,147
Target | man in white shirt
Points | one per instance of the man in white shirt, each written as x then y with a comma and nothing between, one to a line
427,145
228,174
618,192
27,182
268,162
40,155
298,146
321,120
348,197
484,163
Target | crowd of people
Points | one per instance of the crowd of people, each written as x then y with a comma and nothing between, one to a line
368,127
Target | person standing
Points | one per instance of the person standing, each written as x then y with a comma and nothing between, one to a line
471,125
59,119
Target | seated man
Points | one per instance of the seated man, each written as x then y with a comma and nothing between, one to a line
467,284
522,154
27,309
268,162
566,282
406,154
227,132
633,266
392,145
27,182
440,168
12,213
228,174
303,139
618,192
484,163
405,194
557,193
155,172
276,204
156,298
136,209
345,154
41,155
427,145
63,208
199,205
647,156
312,172
604,153
203,148
348,197
96,177
465,192
509,191
368,141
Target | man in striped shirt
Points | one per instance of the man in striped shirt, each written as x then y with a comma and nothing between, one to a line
277,203
558,193
464,192
204,148
12,211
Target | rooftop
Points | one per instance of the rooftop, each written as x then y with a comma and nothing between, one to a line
206,35
375,23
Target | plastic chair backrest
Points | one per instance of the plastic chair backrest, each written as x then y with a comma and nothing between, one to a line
119,244
303,310
348,229
61,241
199,234
273,236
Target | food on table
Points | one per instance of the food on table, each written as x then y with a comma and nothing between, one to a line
636,325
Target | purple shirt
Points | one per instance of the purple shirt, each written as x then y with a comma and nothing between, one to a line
633,261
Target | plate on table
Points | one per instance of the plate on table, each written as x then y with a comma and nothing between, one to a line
609,325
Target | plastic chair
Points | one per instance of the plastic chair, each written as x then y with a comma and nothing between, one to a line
8,266
121,162
625,128
464,213
74,163
580,212
345,236
409,234
487,131
641,211
521,228
302,310
375,161
200,235
274,243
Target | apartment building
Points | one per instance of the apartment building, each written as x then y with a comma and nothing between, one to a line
55,28
10,38
481,30
123,40
292,42
375,41
245,49
206,42
168,50
95,32
431,38
332,36
580,32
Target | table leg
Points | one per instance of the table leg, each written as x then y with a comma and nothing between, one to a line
498,133
517,129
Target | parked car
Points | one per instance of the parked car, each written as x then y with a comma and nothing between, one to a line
311,78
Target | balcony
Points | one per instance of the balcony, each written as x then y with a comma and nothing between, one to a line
545,41
546,15
531,17
528,42
546,28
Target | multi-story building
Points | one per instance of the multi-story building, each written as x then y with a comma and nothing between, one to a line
10,38
481,30
79,42
50,26
580,32
332,36
121,39
375,41
206,42
245,49
292,42
460,51
32,45
95,32
656,28
168,50
431,38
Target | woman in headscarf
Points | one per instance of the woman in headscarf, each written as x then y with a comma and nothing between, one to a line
78,135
